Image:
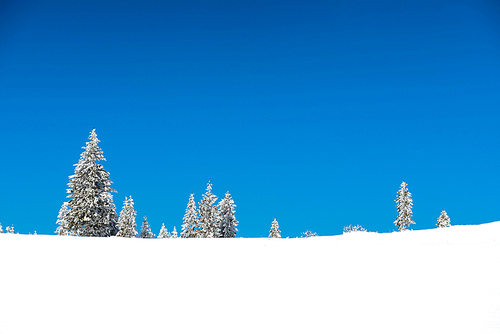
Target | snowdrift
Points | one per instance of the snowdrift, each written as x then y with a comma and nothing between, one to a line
430,281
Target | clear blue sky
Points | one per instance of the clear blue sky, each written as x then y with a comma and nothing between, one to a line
311,112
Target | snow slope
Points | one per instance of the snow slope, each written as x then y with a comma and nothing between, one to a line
431,281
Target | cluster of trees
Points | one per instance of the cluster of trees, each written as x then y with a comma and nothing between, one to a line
91,212
404,204
210,219
8,229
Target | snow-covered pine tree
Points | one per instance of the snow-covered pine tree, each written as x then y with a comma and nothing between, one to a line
443,220
164,233
174,235
146,230
207,210
190,221
92,211
9,229
62,229
403,205
127,227
225,218
275,230
1,229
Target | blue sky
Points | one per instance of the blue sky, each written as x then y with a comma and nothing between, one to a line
313,113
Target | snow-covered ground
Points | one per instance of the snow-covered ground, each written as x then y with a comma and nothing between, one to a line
432,281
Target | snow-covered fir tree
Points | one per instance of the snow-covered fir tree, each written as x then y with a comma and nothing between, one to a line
174,235
443,220
207,211
225,218
164,233
9,229
404,204
190,221
1,229
127,227
92,211
275,230
62,221
146,230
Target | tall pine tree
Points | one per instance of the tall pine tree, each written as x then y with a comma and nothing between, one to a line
146,230
225,218
403,205
190,221
275,230
62,221
443,220
207,210
127,227
92,212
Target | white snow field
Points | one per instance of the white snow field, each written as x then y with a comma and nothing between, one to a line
428,281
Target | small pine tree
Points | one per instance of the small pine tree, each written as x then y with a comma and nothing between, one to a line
62,221
275,230
225,218
443,220
127,227
207,210
1,229
174,235
164,233
92,212
403,205
190,221
146,230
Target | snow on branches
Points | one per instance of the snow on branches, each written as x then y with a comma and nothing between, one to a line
92,212
127,227
226,220
62,221
275,230
403,205
146,230
190,222
443,220
207,211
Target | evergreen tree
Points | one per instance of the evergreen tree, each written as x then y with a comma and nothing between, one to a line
207,210
275,230
92,211
443,220
62,221
403,205
1,229
225,218
190,221
164,234
9,229
174,234
127,227
146,230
